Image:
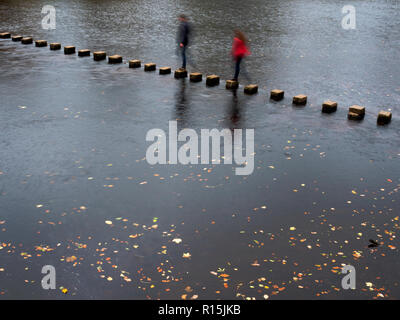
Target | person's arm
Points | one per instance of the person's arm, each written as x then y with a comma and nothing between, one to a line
180,35
184,34
234,47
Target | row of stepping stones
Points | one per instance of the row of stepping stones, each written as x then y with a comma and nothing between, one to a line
355,112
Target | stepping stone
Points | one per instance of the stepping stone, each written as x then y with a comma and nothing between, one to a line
277,94
99,55
357,109
212,80
16,38
69,49
84,53
27,40
115,59
384,117
329,106
150,67
41,43
180,73
5,35
165,70
356,113
354,116
231,84
55,46
251,89
300,100
196,77
135,63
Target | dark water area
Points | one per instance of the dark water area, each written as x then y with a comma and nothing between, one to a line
76,191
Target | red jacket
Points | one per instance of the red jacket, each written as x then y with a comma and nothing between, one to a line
239,49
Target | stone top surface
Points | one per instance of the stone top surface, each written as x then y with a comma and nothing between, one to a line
357,109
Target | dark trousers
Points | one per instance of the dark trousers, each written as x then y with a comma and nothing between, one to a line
237,68
183,57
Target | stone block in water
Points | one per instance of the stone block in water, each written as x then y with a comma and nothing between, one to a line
69,49
277,94
354,116
40,43
84,53
5,35
55,46
115,59
196,77
329,106
27,40
251,89
231,84
356,113
300,100
180,73
357,109
99,55
384,117
135,63
165,70
16,38
212,80
150,67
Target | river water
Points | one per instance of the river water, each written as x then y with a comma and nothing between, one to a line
77,193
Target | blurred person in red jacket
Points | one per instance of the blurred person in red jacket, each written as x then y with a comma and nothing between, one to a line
239,51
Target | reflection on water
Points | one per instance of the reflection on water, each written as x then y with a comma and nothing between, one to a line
182,105
234,114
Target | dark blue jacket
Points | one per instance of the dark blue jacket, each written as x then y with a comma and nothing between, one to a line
183,33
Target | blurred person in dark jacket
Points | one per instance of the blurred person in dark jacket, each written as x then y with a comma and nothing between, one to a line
184,33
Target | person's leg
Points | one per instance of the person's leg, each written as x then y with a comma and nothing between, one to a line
184,57
244,72
237,68
189,58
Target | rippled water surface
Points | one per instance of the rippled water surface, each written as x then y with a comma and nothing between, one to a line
76,191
